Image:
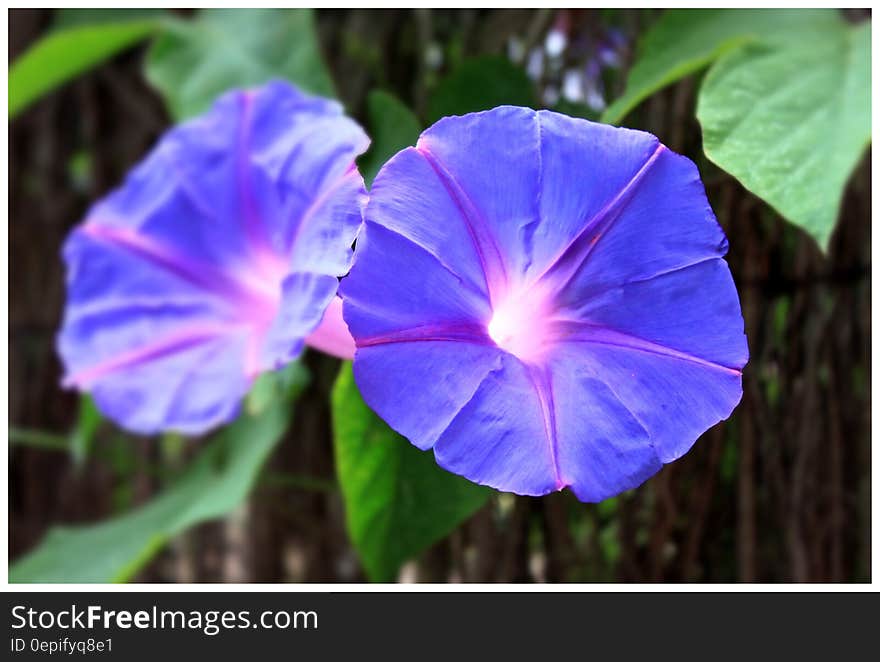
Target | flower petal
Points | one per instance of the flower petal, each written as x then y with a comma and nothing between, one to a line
603,448
693,311
501,438
194,385
392,379
401,286
671,348
660,221
674,399
409,197
332,335
588,170
488,163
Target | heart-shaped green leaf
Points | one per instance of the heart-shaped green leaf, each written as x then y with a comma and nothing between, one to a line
684,41
791,122
195,61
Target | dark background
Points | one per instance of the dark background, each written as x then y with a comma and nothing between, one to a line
780,492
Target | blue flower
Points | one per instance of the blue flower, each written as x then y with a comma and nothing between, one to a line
214,260
543,302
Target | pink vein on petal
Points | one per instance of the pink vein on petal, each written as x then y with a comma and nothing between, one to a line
451,332
202,275
267,261
569,261
484,243
544,390
173,343
586,332
253,228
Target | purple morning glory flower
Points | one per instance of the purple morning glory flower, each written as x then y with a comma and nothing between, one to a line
214,260
543,302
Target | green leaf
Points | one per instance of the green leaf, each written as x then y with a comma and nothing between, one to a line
195,61
398,502
269,385
49,441
214,484
64,54
481,83
82,437
792,122
686,40
393,127
74,17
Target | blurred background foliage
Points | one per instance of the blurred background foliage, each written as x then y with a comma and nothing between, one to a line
308,485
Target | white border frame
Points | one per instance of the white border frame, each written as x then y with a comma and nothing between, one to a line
416,588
